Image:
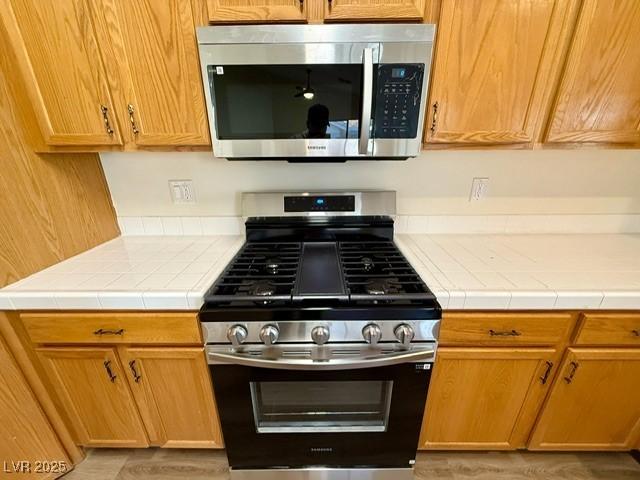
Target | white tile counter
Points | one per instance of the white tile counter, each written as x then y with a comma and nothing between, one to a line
129,272
520,272
465,272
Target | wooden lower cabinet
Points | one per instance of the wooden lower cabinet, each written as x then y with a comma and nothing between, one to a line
25,432
93,389
485,398
173,391
135,396
594,403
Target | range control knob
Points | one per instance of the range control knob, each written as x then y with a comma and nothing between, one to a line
404,333
320,335
372,333
237,334
269,334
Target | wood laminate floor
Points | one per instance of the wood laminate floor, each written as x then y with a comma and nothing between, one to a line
169,464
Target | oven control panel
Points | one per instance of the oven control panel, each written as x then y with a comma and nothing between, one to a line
319,203
397,111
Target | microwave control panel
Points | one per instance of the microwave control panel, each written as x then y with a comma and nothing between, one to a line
397,107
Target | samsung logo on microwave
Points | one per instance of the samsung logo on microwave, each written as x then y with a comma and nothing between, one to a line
316,147
321,449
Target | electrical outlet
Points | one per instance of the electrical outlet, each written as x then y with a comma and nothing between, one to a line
479,188
182,191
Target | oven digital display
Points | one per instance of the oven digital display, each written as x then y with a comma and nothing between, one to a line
398,72
324,203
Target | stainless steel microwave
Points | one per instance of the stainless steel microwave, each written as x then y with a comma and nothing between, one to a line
316,92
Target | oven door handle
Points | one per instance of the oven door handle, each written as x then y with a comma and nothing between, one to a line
345,363
367,101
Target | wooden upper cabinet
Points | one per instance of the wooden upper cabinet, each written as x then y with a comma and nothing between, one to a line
599,95
173,391
93,389
59,60
153,46
345,10
492,69
594,403
485,398
257,11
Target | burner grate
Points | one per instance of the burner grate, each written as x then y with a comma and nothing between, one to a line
261,272
377,271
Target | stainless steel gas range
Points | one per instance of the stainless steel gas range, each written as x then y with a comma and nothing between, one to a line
320,339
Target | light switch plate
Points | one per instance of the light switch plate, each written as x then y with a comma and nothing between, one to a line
182,191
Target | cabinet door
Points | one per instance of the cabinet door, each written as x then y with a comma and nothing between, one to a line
25,432
173,390
341,10
59,60
92,387
492,70
599,97
485,398
257,11
594,403
154,45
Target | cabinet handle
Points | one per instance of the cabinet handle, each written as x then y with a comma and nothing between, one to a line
301,4
132,119
136,376
545,377
434,119
105,118
574,367
636,332
102,331
107,367
512,333
330,4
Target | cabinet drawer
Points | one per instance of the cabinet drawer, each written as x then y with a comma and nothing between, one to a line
504,329
609,329
110,328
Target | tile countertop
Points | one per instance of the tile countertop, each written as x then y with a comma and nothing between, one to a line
128,273
521,272
516,272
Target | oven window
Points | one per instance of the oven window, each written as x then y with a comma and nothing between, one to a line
299,407
264,102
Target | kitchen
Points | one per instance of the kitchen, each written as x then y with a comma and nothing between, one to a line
320,239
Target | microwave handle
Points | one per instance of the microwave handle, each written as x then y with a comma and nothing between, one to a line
344,363
367,100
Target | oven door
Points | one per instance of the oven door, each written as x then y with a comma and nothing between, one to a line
344,418
290,100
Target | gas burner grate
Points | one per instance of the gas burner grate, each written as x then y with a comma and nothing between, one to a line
378,272
262,273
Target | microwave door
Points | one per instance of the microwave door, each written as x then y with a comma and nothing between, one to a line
290,100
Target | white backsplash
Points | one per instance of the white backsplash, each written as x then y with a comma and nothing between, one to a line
426,224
